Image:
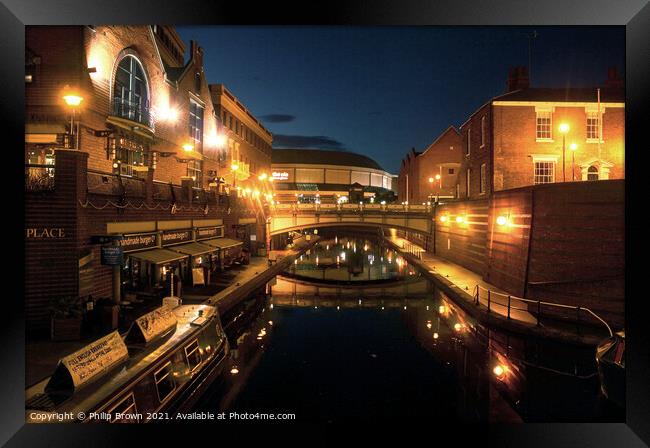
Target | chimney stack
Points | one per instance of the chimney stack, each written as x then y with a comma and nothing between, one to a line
613,81
518,78
196,52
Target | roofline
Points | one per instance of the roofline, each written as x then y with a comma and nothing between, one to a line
451,126
239,104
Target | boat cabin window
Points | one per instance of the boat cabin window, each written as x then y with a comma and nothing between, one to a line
165,384
193,355
125,407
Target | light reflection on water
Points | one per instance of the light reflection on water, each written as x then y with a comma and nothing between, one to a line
397,350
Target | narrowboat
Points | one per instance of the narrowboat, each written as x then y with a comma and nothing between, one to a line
158,368
610,356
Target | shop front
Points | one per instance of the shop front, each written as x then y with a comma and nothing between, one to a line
229,251
211,260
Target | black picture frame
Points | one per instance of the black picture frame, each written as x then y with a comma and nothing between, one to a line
634,15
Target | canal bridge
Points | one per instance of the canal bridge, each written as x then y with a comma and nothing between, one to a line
296,217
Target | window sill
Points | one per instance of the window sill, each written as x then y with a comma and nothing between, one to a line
544,140
593,140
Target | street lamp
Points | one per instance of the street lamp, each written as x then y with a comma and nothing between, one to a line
564,128
573,148
73,100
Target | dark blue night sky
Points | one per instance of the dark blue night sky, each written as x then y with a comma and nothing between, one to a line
379,91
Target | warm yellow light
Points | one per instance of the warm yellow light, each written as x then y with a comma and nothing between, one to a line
431,179
564,128
502,220
429,325
499,371
188,147
442,309
234,167
247,190
166,113
271,179
458,327
234,370
72,99
437,176
573,146
262,176
436,335
443,218
256,193
459,219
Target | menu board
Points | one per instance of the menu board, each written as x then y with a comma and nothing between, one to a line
197,276
154,324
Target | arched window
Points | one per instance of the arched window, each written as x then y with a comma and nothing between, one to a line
131,92
592,173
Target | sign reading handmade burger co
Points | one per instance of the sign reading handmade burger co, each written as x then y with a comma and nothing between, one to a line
176,236
138,241
209,232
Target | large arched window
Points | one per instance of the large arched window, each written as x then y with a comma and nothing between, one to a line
592,173
131,92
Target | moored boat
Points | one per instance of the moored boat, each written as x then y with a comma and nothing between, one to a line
610,356
158,368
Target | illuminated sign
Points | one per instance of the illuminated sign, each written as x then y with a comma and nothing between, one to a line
280,175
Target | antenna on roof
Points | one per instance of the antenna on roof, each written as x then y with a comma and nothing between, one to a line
530,37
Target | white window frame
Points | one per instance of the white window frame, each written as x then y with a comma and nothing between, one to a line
593,114
544,159
543,113
192,350
133,406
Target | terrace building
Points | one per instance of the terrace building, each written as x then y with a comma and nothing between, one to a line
530,136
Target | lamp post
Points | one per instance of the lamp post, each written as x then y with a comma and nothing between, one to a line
573,148
564,128
73,100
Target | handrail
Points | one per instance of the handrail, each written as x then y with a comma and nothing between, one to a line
490,292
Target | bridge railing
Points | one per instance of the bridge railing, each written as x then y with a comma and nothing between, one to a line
347,207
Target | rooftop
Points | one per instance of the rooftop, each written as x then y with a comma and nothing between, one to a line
323,157
607,95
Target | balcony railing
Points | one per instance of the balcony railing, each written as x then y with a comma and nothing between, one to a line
39,177
133,111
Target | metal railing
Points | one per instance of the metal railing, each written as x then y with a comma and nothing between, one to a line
538,303
39,177
412,249
347,207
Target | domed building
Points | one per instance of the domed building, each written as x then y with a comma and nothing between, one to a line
327,176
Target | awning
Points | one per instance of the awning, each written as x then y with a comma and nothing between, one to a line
222,243
158,256
193,249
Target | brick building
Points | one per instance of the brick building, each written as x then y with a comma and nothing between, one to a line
516,139
141,156
432,173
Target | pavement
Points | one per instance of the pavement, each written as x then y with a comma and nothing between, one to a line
459,283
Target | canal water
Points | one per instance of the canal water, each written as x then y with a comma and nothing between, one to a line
353,333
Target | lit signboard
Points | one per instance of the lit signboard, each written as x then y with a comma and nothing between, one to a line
280,175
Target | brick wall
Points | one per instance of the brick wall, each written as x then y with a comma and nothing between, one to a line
443,154
463,243
470,134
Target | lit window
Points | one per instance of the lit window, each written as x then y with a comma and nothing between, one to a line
165,383
131,92
196,121
128,154
592,126
195,171
544,172
592,173
483,178
544,126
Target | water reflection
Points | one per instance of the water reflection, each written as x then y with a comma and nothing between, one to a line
351,260
397,350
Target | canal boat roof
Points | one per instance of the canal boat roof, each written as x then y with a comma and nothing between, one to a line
92,394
